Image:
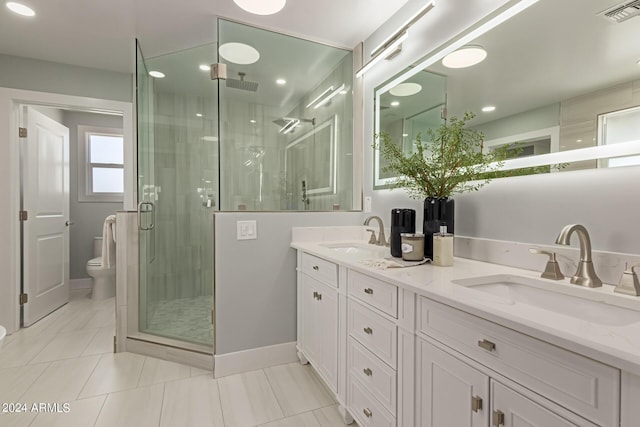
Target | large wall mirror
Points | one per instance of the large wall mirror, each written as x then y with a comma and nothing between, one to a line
563,79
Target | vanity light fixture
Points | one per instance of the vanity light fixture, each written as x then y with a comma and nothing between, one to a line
392,45
330,96
281,82
239,53
20,9
157,74
205,67
261,7
464,57
488,109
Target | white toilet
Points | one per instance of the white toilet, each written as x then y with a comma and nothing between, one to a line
104,277
3,333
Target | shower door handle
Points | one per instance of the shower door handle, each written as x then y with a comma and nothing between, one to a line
151,210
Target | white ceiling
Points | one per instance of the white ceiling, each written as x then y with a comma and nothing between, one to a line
100,34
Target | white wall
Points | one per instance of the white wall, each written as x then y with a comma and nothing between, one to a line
87,217
522,209
255,280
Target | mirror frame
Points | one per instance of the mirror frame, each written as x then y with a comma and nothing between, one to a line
507,11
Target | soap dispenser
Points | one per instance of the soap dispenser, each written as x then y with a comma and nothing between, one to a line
443,248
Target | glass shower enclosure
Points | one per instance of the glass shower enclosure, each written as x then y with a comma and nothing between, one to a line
276,134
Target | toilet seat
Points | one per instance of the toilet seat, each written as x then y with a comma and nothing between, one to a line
95,262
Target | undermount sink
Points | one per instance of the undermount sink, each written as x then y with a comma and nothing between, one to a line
358,250
527,291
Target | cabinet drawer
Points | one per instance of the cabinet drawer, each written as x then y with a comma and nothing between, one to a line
377,293
580,384
320,269
367,411
377,377
376,333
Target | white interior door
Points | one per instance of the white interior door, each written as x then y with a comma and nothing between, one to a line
45,192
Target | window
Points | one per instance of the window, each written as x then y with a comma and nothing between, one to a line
102,177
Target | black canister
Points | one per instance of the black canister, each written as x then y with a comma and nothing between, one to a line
402,221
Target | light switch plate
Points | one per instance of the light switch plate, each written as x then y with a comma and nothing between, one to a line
367,204
247,230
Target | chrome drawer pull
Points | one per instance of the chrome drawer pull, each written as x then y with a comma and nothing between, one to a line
487,345
316,268
498,418
368,372
476,403
368,412
368,331
368,291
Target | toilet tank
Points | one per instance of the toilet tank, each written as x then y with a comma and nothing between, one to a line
97,246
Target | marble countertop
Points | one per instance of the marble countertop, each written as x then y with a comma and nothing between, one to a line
615,345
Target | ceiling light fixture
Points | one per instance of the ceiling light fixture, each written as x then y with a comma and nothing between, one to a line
488,109
329,97
392,45
406,89
281,82
20,9
239,53
464,57
252,121
198,114
261,7
205,67
395,103
157,74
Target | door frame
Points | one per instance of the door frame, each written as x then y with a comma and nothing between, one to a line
10,102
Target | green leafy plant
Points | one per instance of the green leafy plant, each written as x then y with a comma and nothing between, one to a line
449,161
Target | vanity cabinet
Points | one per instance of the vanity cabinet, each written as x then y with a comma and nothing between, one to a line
453,393
318,316
394,357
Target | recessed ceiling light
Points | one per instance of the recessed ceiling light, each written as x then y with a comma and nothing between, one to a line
488,109
252,121
405,134
464,57
281,82
405,89
20,9
239,53
198,114
261,7
205,67
157,74
578,140
395,103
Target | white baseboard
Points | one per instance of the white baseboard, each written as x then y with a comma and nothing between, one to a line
256,358
86,283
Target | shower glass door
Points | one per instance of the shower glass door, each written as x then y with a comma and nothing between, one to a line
178,193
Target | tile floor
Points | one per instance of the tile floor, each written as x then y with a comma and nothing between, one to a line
67,358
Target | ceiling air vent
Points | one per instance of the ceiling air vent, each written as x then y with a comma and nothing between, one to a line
623,12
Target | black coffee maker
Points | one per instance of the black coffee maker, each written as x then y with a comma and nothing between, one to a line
402,221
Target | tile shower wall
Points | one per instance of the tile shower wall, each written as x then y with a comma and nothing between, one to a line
185,178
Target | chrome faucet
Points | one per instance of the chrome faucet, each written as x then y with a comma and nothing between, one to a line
380,240
585,275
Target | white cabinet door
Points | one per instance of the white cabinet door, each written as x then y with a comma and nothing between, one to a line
449,392
327,332
308,309
319,305
518,411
